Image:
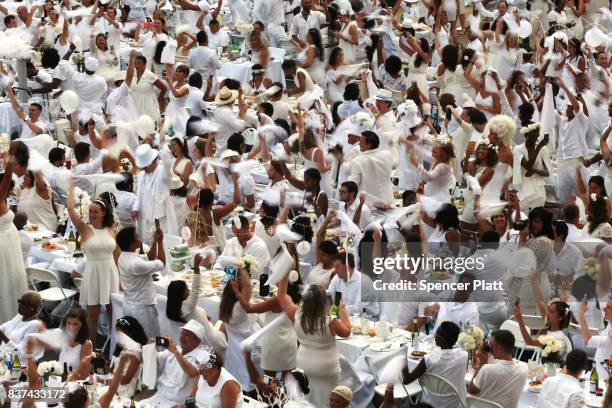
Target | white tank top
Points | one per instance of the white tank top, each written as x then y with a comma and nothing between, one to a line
210,397
39,211
71,355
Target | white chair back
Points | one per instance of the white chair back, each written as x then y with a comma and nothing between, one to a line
477,402
277,53
41,275
435,385
534,322
513,327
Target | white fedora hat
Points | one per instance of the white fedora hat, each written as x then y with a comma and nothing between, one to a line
145,155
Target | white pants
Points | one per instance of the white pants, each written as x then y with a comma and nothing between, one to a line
566,178
146,315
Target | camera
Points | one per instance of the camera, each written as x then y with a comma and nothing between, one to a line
161,341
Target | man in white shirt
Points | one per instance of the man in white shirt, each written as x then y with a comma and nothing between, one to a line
85,166
357,211
204,59
571,216
371,170
572,131
244,243
32,123
89,86
153,192
564,390
449,363
502,380
136,272
602,343
217,38
272,14
356,288
307,19
177,367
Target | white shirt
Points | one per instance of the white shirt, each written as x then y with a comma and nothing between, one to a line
153,191
205,61
125,202
173,384
269,11
90,88
17,330
502,382
450,364
83,169
568,261
353,294
364,220
27,133
195,101
572,136
561,391
495,267
300,26
136,280
603,346
219,39
255,247
458,313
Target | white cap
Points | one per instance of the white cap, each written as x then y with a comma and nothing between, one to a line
91,64
196,328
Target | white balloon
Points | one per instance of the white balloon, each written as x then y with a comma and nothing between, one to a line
594,37
144,125
303,248
525,29
69,101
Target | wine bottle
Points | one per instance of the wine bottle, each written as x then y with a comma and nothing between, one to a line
594,380
65,373
16,366
72,242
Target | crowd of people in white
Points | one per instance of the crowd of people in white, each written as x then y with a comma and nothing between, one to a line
295,143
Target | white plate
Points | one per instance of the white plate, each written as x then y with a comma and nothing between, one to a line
385,346
536,389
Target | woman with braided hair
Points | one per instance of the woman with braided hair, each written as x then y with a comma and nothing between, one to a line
101,277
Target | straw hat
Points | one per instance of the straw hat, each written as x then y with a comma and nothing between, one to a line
226,96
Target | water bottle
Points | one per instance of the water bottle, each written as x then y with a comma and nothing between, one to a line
8,360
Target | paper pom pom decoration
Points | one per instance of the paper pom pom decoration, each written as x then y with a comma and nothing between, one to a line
186,233
294,276
144,125
69,101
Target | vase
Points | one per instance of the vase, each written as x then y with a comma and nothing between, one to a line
551,369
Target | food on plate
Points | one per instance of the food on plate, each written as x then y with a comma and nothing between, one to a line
32,227
535,383
356,329
48,246
418,353
372,332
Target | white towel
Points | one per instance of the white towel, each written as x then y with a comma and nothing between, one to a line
149,365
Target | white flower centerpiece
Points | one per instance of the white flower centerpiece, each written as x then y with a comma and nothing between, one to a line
249,264
470,339
552,353
590,268
46,369
82,201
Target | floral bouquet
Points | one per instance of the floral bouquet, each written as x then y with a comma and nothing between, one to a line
471,338
82,201
48,368
5,142
249,264
362,119
244,28
79,61
590,268
551,349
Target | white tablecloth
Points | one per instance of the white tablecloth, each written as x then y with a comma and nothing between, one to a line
241,71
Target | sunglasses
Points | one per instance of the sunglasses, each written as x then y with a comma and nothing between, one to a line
122,322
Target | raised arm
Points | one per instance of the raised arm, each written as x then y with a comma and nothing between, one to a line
75,217
603,143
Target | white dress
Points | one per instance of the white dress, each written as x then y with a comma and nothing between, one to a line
144,96
101,277
177,112
39,211
12,271
70,355
279,346
210,397
316,69
493,189
325,183
349,49
317,355
238,329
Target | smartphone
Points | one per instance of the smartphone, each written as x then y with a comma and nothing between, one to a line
157,228
333,204
190,403
161,341
337,298
264,290
98,364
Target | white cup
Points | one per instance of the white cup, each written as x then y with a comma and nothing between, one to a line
382,330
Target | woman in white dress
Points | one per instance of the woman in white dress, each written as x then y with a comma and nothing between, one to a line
216,388
348,37
557,317
510,57
238,326
450,72
535,164
487,100
151,40
142,83
312,57
575,63
501,130
574,10
279,344
336,81
437,179
106,56
440,32
316,331
176,112
482,167
452,9
36,201
315,158
182,165
101,277
419,60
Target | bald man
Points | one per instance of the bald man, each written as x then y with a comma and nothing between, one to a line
20,221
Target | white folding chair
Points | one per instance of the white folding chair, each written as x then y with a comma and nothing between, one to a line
477,402
252,403
54,293
519,343
534,322
435,385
